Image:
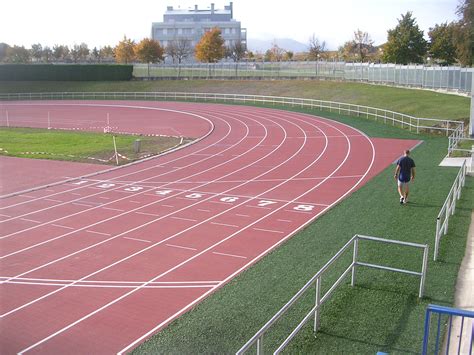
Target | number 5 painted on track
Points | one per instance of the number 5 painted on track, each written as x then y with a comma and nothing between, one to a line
79,182
229,199
106,186
134,188
163,192
194,195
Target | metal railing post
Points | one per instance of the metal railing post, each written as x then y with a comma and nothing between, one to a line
423,272
437,238
260,345
317,303
354,260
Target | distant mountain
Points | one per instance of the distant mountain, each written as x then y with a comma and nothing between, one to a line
260,45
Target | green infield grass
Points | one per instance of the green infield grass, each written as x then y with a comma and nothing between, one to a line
79,146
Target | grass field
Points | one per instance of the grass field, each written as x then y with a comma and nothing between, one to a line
382,312
409,101
77,146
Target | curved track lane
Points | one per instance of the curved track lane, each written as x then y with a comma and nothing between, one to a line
97,265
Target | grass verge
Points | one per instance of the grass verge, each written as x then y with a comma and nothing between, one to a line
78,146
414,102
382,312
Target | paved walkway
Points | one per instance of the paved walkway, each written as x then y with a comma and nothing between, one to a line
464,297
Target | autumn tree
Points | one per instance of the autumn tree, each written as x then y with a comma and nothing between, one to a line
274,54
442,43
315,48
405,42
125,51
107,53
210,48
47,54
149,51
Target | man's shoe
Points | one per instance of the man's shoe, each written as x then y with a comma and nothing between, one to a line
402,200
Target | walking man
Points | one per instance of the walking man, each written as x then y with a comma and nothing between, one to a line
404,173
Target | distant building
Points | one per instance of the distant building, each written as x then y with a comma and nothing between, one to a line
191,24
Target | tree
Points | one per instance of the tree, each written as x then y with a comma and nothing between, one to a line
442,43
464,34
363,45
3,51
289,56
83,52
125,51
149,51
37,51
60,52
274,54
19,55
315,48
96,55
47,54
75,53
405,42
106,53
210,48
236,51
179,49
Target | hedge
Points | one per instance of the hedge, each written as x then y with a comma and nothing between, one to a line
65,72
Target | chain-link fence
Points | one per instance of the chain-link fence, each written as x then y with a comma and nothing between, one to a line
428,77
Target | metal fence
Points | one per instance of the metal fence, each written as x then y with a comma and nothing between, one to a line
448,208
415,124
457,342
316,281
427,77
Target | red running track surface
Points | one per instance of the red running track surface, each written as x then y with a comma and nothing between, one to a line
99,264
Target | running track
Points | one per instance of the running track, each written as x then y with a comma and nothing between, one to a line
97,265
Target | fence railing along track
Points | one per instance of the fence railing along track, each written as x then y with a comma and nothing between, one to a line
414,124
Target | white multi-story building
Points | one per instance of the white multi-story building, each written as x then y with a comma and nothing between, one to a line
191,24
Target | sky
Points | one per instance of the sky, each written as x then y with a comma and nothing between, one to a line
105,22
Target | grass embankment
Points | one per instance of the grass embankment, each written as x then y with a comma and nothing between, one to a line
414,102
78,146
383,311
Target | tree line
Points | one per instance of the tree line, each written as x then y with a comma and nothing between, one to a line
448,43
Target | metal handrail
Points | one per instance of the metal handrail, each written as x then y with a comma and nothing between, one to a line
449,207
320,299
450,312
404,120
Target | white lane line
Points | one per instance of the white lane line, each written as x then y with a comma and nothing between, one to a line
268,230
52,200
242,215
139,240
231,255
184,219
176,314
113,209
180,247
29,220
201,210
4,215
148,214
224,224
168,206
61,226
94,232
284,220
81,204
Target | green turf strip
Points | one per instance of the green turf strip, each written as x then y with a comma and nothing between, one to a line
77,146
382,312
